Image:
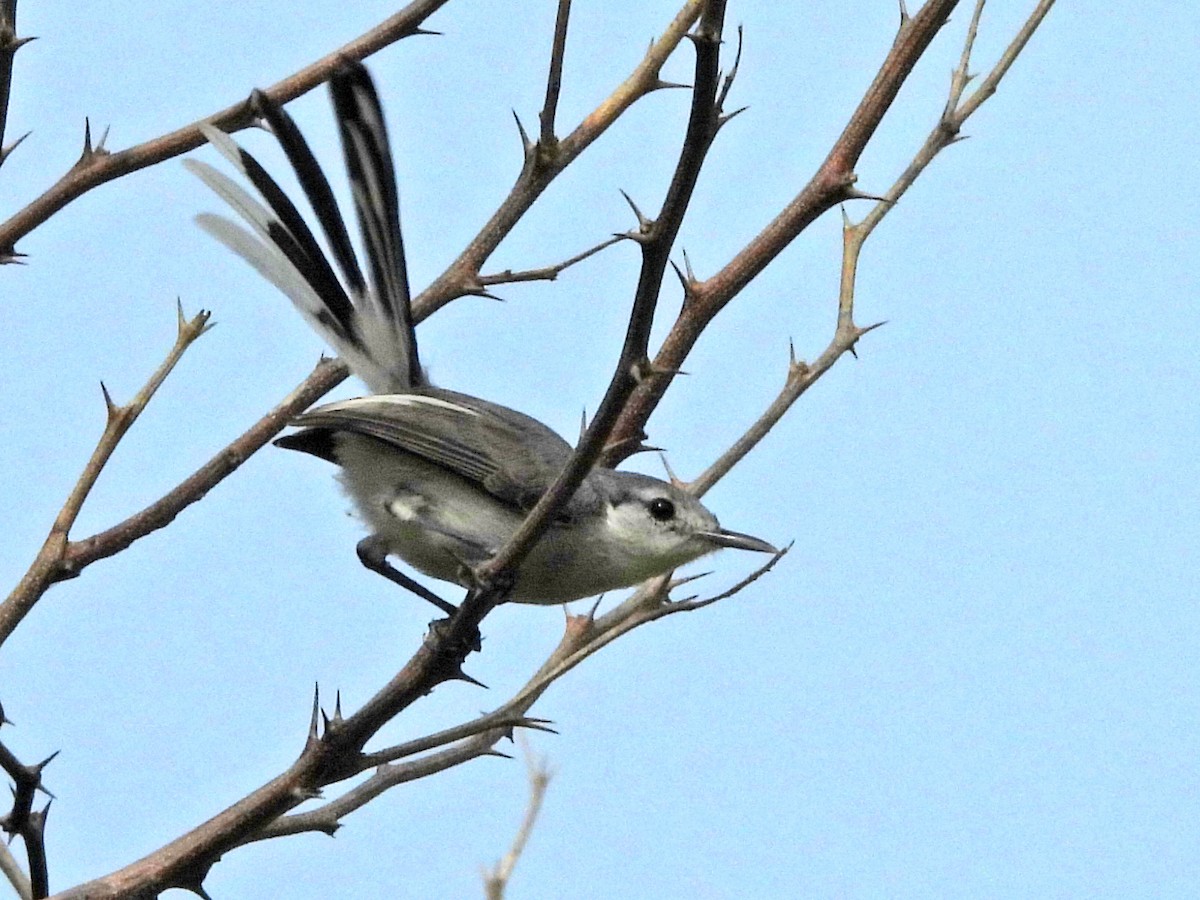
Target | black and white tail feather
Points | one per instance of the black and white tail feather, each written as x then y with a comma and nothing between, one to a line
368,321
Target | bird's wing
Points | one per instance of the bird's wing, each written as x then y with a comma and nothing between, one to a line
512,456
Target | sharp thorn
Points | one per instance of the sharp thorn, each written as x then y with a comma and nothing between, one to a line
316,711
111,409
725,118
18,43
683,281
671,476
643,222
460,675
856,194
526,144
45,762
4,154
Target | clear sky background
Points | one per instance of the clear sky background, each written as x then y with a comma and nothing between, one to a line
977,672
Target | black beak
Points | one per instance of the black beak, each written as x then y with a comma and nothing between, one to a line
737,541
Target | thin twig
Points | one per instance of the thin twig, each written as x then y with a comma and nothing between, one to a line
45,567
541,169
327,374
15,874
547,273
987,87
500,719
496,880
801,376
547,141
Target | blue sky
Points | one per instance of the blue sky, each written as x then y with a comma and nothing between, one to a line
974,675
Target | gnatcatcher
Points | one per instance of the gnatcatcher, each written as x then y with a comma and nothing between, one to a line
441,478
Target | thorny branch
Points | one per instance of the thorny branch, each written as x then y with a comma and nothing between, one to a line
95,169
46,565
547,140
9,45
336,751
541,166
801,376
547,273
24,821
159,514
832,183
585,635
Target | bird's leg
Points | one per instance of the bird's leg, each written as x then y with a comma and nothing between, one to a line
373,554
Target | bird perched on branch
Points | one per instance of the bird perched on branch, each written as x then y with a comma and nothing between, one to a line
442,479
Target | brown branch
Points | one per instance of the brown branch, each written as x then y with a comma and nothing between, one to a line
542,167
9,45
547,273
79,554
583,638
801,376
337,753
97,169
547,139
48,562
832,183
328,817
496,880
15,874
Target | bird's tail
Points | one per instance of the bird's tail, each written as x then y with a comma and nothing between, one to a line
366,319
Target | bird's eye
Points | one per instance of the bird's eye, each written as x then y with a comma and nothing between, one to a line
661,509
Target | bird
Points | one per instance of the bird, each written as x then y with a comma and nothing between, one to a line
440,478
